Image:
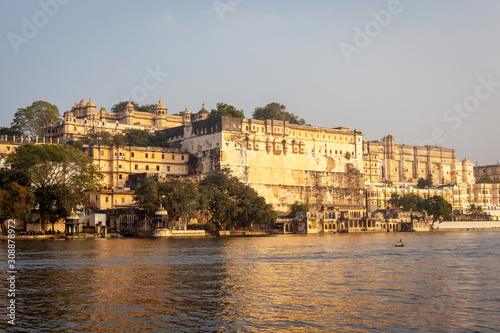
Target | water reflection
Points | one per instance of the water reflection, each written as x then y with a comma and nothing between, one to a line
437,282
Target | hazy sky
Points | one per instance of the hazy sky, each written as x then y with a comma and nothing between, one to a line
426,71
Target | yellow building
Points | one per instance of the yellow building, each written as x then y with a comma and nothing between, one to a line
117,164
385,161
9,144
84,118
281,161
461,196
491,171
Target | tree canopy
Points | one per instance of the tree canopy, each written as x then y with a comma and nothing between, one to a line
130,137
276,111
407,202
32,120
232,203
436,206
424,183
59,176
486,180
120,106
225,110
10,131
15,202
220,198
297,207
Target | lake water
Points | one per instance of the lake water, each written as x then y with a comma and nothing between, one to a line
441,281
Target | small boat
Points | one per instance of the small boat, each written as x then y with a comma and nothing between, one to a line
399,243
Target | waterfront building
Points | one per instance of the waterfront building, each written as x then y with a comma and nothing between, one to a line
118,164
461,196
83,118
283,162
9,144
386,161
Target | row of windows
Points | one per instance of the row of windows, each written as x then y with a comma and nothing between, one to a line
136,167
146,155
307,135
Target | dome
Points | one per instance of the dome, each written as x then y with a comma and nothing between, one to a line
160,211
203,110
187,111
160,106
372,188
82,103
91,103
72,216
129,105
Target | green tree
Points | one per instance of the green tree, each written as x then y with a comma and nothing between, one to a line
147,196
98,138
486,180
475,209
120,106
439,208
135,137
146,108
9,131
276,111
180,198
13,176
407,202
424,183
297,207
15,202
225,110
395,201
231,203
32,120
60,175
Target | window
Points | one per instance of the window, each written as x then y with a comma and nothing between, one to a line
107,199
147,167
173,157
152,155
102,152
132,154
162,156
168,168
8,148
182,157
136,167
146,155
119,176
157,168
123,200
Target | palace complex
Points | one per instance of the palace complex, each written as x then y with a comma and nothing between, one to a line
283,162
84,118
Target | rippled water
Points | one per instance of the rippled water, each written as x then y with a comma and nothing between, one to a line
310,283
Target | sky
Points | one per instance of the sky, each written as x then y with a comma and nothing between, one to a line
427,72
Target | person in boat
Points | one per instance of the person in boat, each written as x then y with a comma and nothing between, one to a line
400,243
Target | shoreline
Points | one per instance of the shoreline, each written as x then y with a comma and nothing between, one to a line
240,234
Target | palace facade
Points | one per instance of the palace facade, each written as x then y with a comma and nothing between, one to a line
283,162
386,161
84,118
